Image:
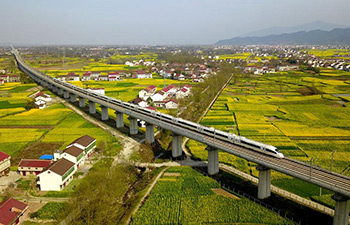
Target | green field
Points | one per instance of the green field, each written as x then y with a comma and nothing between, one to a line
271,109
184,196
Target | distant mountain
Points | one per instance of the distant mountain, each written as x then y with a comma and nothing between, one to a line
317,25
316,37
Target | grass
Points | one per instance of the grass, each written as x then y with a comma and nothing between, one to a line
187,198
50,211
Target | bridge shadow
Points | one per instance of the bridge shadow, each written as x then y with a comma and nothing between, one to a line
285,207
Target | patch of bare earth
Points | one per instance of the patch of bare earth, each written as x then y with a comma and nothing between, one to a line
172,174
222,192
272,118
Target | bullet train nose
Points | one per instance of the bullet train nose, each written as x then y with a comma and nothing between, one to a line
280,155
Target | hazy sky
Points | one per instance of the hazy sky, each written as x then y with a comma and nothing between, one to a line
155,21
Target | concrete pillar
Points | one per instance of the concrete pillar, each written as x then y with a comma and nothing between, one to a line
341,211
133,125
54,89
104,113
176,145
59,91
264,186
65,94
213,160
119,119
73,98
149,133
81,102
92,107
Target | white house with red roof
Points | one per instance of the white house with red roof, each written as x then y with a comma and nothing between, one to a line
86,76
42,96
171,104
4,163
32,166
2,81
103,78
72,77
12,212
182,93
56,176
86,143
114,76
170,90
140,102
142,74
179,76
159,96
147,92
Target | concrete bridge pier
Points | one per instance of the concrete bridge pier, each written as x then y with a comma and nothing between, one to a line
264,186
176,145
149,133
54,89
119,119
81,102
66,94
59,91
213,160
73,98
104,113
133,125
92,107
341,211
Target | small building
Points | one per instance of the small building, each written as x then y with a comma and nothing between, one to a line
142,74
140,102
183,92
14,78
113,76
147,92
169,90
12,212
43,96
40,104
2,81
75,155
171,104
103,78
95,75
179,77
158,96
86,143
56,176
86,76
4,163
32,166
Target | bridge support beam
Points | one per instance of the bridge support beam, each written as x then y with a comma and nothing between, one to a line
73,98
54,89
176,145
66,94
213,160
119,119
92,107
81,102
264,186
59,91
341,212
133,125
104,113
149,133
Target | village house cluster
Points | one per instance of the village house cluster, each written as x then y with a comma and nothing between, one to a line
338,64
41,99
165,98
9,79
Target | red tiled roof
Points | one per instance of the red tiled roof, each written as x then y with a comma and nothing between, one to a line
188,86
150,107
6,214
184,89
3,156
114,73
34,163
166,89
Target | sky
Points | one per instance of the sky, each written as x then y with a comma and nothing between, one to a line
155,22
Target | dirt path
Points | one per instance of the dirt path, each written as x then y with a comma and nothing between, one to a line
146,194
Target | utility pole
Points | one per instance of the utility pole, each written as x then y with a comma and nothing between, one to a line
332,160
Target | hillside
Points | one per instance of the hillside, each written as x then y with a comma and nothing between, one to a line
316,37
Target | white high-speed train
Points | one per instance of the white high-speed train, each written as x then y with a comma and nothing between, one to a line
212,132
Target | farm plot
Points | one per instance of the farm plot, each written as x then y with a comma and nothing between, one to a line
189,199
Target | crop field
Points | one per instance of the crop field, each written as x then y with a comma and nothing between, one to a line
184,196
270,109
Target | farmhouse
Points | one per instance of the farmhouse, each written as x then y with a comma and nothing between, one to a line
12,211
1,81
75,155
86,143
72,77
140,102
56,176
147,92
183,92
40,104
103,78
4,163
113,76
169,90
158,96
86,76
43,96
171,104
32,166
179,77
142,74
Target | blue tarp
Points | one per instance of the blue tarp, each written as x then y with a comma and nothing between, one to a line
46,157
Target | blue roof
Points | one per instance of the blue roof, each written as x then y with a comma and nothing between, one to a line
46,157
